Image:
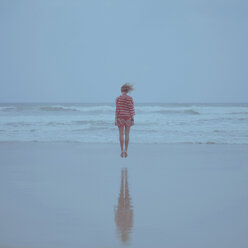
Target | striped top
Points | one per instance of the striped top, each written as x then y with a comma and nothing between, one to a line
124,106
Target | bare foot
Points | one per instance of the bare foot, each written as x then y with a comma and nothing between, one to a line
122,154
125,153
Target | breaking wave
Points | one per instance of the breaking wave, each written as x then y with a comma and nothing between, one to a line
7,109
94,122
51,108
187,112
89,109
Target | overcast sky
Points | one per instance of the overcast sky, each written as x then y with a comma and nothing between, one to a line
83,51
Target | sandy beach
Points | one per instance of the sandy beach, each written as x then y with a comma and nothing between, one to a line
86,195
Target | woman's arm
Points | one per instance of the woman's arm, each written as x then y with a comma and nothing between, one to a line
131,108
116,109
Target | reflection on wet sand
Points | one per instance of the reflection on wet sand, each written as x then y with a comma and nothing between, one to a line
124,210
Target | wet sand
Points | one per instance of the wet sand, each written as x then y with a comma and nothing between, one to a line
86,195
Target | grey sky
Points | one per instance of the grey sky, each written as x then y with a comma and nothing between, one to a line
83,51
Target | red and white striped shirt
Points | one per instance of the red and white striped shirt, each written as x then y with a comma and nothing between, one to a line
124,106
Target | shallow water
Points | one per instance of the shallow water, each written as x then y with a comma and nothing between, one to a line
154,123
62,195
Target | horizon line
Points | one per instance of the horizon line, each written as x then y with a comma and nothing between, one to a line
135,102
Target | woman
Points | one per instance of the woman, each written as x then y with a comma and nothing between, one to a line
124,115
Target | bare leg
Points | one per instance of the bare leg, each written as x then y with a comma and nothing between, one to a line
127,130
121,138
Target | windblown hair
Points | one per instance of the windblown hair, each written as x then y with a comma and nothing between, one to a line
127,87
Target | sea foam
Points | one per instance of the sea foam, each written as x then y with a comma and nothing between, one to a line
154,123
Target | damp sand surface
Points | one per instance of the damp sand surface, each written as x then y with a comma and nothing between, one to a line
86,195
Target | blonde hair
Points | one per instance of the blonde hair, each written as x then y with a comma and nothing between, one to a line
127,87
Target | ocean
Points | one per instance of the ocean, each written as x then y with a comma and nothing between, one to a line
195,123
